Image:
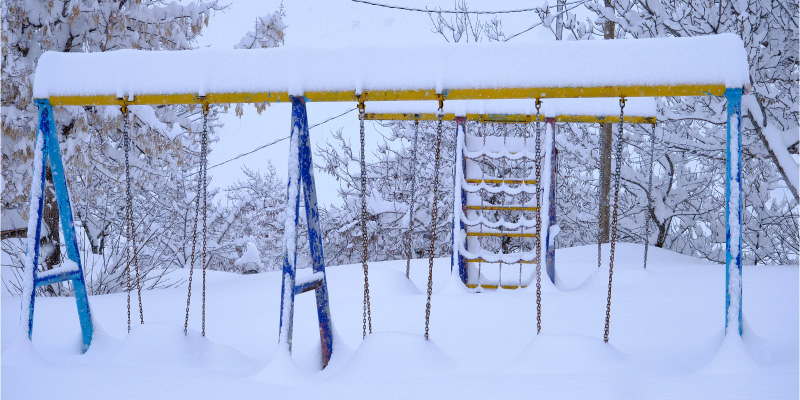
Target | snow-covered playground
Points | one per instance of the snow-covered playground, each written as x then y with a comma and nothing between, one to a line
400,199
666,343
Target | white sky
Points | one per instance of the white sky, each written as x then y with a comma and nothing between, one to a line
318,23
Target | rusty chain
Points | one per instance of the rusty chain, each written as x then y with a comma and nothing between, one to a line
649,195
538,167
200,192
125,145
204,165
433,214
615,213
367,307
129,226
409,240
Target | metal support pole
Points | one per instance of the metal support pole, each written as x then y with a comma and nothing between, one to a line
459,200
47,148
733,214
550,248
301,177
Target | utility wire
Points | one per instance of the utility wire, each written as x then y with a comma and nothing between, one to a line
425,10
264,146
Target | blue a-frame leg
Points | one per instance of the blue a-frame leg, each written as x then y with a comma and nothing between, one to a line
301,177
733,213
46,147
459,199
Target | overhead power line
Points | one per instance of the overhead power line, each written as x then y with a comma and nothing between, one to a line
426,10
264,146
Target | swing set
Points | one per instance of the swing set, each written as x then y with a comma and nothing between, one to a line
699,66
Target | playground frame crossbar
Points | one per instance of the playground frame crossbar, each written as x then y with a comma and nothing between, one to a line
395,95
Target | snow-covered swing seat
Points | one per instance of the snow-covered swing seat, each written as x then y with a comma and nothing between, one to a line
697,66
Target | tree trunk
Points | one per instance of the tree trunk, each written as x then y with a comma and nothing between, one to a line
50,243
605,156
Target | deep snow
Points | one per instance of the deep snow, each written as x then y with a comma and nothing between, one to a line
666,338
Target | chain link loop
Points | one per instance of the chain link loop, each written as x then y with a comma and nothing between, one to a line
130,229
367,323
204,165
409,239
201,192
649,195
128,202
615,213
434,210
539,235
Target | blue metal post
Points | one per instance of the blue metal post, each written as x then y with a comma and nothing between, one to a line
47,147
291,226
733,212
314,233
459,199
550,261
301,177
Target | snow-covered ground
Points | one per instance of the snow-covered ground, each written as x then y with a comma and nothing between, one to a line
666,338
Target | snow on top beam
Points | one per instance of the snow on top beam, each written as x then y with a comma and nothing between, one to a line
694,66
637,110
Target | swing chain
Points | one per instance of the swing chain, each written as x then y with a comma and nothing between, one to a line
125,145
204,166
367,312
649,195
129,226
201,180
433,214
615,213
409,237
538,166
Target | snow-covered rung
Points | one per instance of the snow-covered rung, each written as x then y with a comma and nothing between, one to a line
307,283
68,271
693,66
500,223
511,258
494,286
498,189
501,208
480,260
498,181
501,234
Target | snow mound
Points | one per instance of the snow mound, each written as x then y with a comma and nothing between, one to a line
732,357
551,354
164,346
383,282
396,354
20,353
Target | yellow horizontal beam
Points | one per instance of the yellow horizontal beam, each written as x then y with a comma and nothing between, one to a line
485,286
502,181
501,208
397,95
501,234
480,260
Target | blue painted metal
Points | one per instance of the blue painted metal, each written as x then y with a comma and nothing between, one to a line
303,179
458,193
307,286
550,251
733,196
50,150
51,279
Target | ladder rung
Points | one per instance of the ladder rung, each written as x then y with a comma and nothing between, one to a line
480,260
502,181
485,286
501,208
501,234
